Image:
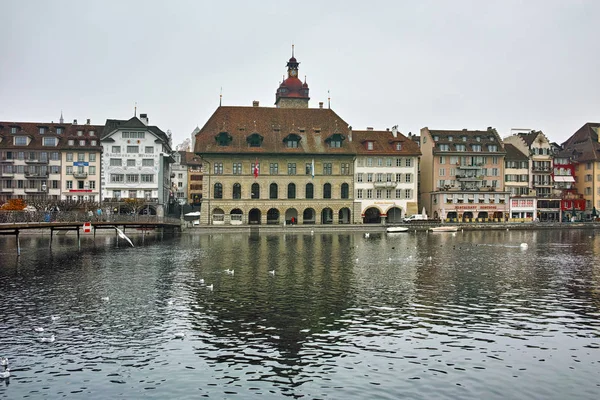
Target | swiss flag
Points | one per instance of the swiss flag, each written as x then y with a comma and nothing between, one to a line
255,169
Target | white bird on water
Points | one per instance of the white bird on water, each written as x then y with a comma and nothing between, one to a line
38,329
48,339
229,271
105,298
123,236
201,281
3,361
272,272
179,335
54,318
367,234
209,287
5,374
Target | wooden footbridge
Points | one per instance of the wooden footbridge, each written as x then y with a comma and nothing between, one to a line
164,225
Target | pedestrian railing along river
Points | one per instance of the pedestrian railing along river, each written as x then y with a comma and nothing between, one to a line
24,217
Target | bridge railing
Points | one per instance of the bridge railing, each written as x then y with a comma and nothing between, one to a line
20,217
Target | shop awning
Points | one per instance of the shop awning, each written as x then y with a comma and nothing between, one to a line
563,178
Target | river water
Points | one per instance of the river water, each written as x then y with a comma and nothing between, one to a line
470,315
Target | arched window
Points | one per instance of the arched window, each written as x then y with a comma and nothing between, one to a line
291,191
218,191
327,191
309,191
255,191
273,191
345,191
237,191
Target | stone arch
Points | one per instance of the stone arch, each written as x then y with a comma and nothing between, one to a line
344,216
327,215
372,215
218,190
147,210
273,216
291,216
309,216
218,216
254,216
236,216
394,215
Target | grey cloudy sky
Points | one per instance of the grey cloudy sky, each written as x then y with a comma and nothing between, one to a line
442,64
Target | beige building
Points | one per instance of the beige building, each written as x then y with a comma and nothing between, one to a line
462,175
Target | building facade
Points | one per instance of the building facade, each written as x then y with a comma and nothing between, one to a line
462,175
136,166
386,175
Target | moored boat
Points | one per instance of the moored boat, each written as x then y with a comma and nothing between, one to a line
396,229
444,229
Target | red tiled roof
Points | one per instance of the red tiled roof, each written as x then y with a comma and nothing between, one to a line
583,145
313,125
384,143
32,129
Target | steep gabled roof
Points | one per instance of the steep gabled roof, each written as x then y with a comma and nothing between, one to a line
312,125
583,145
514,154
384,143
133,123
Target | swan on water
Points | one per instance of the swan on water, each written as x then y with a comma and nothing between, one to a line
5,374
272,272
38,329
105,298
48,339
201,281
3,361
179,335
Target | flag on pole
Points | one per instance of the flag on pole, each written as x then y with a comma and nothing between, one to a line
312,168
255,169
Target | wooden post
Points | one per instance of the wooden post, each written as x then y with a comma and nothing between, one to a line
78,240
18,243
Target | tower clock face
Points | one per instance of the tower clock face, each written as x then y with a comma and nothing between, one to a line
293,72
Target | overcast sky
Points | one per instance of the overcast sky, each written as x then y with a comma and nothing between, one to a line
442,64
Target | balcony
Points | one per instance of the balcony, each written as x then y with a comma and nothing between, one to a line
7,174
6,190
6,161
36,175
469,178
385,185
39,162
541,169
80,175
470,166
34,190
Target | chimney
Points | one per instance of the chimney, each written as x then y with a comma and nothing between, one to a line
349,133
144,118
88,121
74,122
320,104
395,130
369,128
255,103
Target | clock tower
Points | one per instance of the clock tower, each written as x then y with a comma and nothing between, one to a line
292,93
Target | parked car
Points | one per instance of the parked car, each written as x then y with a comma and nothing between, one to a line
416,217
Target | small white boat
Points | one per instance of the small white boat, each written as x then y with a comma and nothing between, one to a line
444,229
396,229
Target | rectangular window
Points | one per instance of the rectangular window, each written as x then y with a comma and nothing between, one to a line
369,193
388,193
291,168
132,178
130,162
115,162
442,172
147,178
407,194
398,193
407,178
42,131
359,193
369,177
237,168
388,162
69,184
408,162
80,156
379,177
69,170
116,149
20,141
92,157
378,193
398,177
308,169
92,184
92,170
380,162
369,145
359,177
147,162
149,149
327,169
49,141
133,149
345,169
369,162
398,162
69,157
218,168
82,143
273,168
388,177
116,178
442,160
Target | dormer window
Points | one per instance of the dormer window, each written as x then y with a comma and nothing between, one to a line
492,147
398,146
291,141
444,147
476,147
369,145
42,130
223,139
20,140
59,130
450,138
254,140
13,129
79,133
478,138
464,138
335,140
92,133
436,138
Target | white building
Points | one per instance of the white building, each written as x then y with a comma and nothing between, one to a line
386,177
136,164
179,170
